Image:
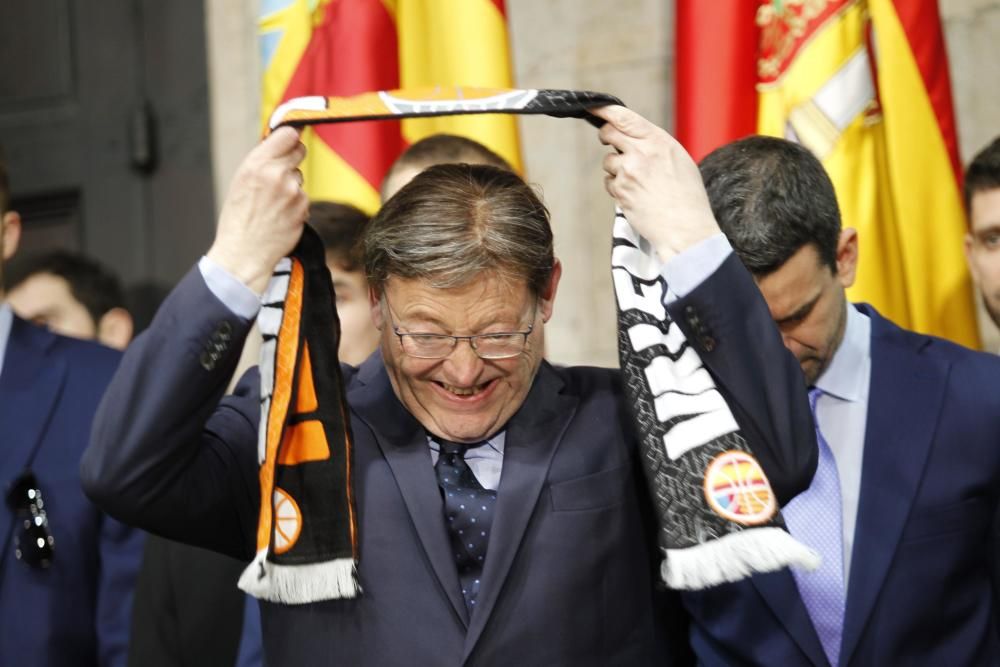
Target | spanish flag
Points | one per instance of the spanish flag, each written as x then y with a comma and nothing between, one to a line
863,84
339,48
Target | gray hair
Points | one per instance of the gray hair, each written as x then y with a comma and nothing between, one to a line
454,222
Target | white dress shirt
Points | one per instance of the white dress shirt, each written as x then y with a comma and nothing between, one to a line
842,412
683,274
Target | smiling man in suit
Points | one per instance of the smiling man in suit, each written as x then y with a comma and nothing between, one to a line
66,569
560,567
903,506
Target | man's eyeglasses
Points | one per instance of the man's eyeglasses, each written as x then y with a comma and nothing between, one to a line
499,345
33,544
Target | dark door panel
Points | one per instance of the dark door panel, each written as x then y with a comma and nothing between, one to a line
104,123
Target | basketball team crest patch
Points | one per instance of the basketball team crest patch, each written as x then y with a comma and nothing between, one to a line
737,489
287,521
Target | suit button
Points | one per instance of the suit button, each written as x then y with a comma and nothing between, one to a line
692,317
707,343
223,332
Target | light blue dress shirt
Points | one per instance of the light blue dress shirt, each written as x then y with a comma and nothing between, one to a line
842,412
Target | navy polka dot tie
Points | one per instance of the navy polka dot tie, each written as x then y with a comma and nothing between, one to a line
468,513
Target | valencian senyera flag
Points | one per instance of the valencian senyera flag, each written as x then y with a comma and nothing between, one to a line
863,84
340,48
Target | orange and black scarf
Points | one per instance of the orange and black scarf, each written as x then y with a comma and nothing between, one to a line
307,539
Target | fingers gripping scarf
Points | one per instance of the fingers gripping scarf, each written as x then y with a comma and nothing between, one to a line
718,520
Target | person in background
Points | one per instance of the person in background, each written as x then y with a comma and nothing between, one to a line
72,295
341,227
982,241
436,149
187,610
66,569
903,508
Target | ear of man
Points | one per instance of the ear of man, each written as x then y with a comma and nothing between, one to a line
10,233
847,256
10,236
115,328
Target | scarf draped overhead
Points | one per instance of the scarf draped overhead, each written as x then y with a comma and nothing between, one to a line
717,515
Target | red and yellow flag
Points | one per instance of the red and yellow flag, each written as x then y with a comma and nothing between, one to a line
339,48
864,85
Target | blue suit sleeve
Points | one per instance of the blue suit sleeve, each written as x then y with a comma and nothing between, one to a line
726,319
168,453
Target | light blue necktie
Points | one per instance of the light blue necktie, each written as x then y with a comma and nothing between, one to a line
815,517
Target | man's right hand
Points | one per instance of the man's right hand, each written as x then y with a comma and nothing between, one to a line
655,182
264,212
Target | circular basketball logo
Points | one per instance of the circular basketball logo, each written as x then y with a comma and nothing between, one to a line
287,521
737,490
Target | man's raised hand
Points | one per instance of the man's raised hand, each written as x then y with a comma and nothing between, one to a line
655,182
264,211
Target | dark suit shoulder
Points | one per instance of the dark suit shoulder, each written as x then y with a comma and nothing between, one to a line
585,380
599,391
82,357
980,365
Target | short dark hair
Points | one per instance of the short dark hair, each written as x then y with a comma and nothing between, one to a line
983,172
444,149
771,197
453,222
92,284
341,228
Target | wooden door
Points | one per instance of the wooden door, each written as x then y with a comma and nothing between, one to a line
104,124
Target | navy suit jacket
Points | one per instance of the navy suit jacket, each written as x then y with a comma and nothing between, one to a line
569,577
76,612
921,590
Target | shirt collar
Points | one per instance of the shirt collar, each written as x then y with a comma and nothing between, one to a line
6,320
841,378
495,442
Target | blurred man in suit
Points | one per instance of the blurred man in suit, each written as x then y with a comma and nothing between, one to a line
903,506
982,242
66,569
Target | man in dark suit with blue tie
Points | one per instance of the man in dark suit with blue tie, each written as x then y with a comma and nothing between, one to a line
66,569
500,517
903,507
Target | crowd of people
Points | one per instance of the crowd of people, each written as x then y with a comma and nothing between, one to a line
131,471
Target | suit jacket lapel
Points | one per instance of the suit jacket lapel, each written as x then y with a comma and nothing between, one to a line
782,595
30,385
904,383
533,435
403,443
